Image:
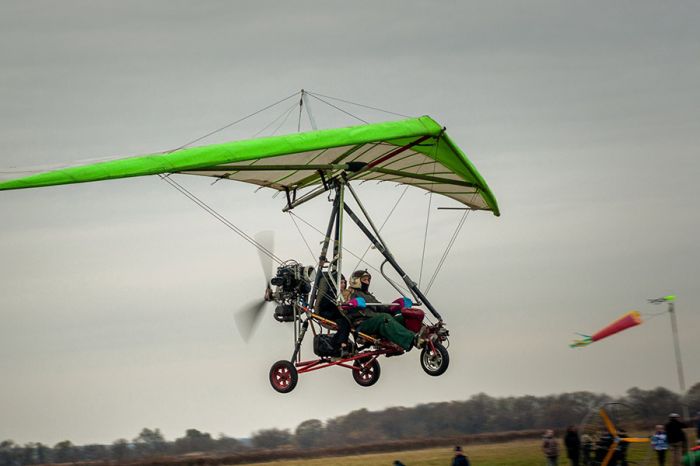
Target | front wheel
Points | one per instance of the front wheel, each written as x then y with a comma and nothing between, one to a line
366,374
434,362
283,376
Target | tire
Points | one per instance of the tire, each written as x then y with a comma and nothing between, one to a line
434,363
367,376
283,376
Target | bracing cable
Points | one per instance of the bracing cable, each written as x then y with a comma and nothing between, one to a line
338,108
391,212
220,217
451,243
286,117
427,220
349,252
285,112
359,105
232,123
441,262
313,257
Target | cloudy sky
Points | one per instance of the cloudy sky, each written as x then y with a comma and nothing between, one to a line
117,298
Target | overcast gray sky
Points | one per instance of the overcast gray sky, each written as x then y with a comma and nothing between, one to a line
116,298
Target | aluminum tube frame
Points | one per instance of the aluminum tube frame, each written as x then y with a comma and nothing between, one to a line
323,257
381,247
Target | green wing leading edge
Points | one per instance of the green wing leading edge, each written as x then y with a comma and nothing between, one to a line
428,159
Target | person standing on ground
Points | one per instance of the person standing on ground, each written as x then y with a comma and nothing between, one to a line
550,448
586,448
573,445
660,444
676,438
459,459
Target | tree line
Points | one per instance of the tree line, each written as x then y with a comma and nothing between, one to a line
479,414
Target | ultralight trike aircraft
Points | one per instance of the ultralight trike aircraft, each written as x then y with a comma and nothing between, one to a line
305,165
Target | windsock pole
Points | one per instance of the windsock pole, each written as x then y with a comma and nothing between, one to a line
670,299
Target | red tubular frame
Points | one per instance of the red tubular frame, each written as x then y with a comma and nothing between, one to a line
322,363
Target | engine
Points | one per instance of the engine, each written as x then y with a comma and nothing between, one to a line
292,283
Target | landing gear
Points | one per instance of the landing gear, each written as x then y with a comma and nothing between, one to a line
283,376
365,372
434,359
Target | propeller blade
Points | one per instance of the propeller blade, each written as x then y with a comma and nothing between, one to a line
266,239
248,318
609,455
608,423
635,440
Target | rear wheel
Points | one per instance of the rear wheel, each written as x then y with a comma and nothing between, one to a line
434,362
367,374
283,376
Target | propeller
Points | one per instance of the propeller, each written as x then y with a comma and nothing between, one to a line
248,318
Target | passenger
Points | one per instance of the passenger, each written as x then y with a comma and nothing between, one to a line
359,287
375,321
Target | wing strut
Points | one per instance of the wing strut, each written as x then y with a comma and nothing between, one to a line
384,250
349,176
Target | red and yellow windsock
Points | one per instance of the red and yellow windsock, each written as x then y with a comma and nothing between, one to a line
628,320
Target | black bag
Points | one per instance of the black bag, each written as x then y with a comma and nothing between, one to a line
323,346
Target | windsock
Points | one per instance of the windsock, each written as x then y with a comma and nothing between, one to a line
628,320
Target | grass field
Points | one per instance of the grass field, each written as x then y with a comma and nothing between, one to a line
517,453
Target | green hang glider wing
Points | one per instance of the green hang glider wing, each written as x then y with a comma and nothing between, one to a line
415,152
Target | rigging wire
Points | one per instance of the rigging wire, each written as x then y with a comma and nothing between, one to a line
359,105
425,238
441,262
313,257
231,124
285,112
451,243
338,108
391,212
312,120
349,252
289,112
219,217
427,217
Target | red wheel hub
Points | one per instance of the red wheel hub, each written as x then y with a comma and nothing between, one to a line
282,377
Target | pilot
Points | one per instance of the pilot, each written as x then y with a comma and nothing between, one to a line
328,308
376,321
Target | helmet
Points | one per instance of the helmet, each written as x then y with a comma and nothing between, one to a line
356,277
